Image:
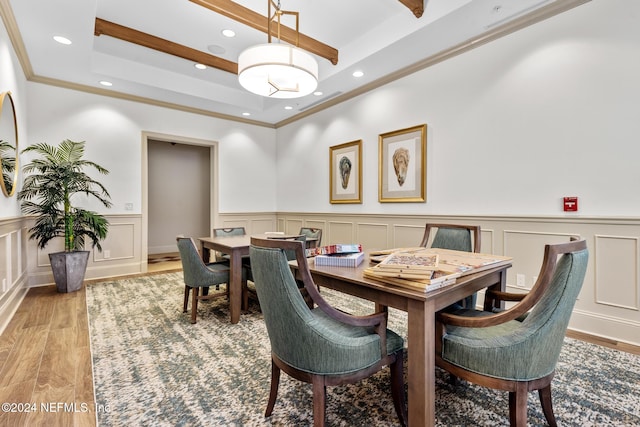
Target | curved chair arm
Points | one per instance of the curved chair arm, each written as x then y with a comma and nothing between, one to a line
482,321
551,253
505,296
376,320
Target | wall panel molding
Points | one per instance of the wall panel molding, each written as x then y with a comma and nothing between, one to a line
617,259
608,305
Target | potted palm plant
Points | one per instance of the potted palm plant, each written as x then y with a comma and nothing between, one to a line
53,181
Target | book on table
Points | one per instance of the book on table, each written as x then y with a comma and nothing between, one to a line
428,269
334,249
340,260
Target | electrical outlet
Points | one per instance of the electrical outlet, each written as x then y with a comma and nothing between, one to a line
520,280
106,253
128,206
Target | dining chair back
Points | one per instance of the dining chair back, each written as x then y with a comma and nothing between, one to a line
455,237
313,235
228,231
508,352
322,346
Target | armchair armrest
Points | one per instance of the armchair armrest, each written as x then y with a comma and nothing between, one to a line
505,296
483,321
376,320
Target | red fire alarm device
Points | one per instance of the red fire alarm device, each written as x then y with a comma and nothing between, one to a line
571,204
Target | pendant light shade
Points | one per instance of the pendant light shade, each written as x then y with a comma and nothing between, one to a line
277,70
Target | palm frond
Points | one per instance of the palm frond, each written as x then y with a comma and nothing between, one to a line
52,180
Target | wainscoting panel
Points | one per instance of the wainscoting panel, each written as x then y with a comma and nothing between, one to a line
262,225
487,244
372,235
13,267
119,244
616,271
293,226
406,236
527,249
608,306
341,232
5,262
610,310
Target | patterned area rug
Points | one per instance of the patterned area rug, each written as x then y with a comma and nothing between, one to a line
153,368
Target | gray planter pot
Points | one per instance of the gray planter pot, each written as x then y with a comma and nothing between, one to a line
69,269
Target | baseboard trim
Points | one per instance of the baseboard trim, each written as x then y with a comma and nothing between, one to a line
603,341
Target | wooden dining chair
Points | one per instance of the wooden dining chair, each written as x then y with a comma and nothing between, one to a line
322,346
198,275
517,349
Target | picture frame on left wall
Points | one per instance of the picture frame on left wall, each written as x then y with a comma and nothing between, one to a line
345,175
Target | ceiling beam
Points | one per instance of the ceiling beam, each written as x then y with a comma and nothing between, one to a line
416,6
152,42
259,22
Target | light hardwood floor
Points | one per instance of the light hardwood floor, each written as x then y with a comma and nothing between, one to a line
46,375
45,360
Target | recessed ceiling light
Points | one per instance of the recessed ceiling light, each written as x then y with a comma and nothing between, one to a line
228,33
317,93
288,107
62,40
106,83
358,73
246,114
200,66
215,49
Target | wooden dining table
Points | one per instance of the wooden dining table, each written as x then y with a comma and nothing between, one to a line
421,308
237,247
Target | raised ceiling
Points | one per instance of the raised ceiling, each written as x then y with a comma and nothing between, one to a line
122,41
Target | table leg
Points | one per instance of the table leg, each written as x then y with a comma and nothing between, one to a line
421,356
235,286
501,285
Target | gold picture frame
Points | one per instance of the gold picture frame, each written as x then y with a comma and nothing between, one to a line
402,162
345,176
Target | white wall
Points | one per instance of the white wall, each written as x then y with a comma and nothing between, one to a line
113,127
549,111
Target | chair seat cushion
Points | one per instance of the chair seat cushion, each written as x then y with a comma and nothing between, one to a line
345,348
495,351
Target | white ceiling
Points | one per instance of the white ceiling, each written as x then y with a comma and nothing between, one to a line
378,37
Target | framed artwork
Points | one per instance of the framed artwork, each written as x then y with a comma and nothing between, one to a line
345,176
402,156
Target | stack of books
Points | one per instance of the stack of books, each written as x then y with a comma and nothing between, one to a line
429,269
334,249
337,255
412,269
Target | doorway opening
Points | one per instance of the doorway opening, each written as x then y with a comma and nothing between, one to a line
179,195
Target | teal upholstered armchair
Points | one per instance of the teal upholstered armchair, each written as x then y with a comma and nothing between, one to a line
322,346
198,275
458,238
499,351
